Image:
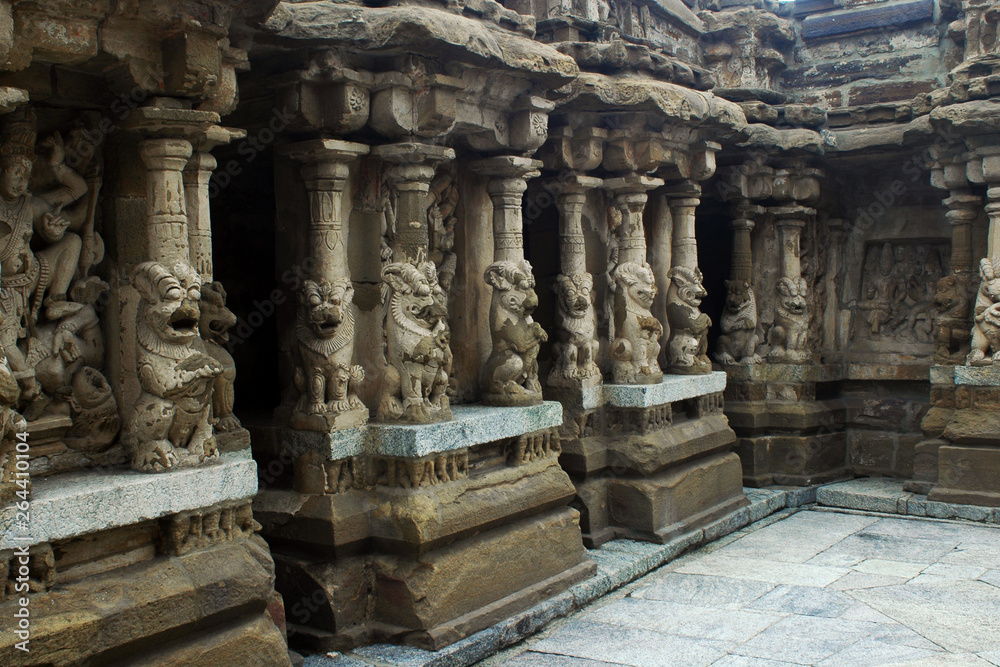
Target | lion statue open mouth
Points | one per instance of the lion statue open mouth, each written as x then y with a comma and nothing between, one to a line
170,424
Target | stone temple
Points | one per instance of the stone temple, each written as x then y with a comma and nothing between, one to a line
337,323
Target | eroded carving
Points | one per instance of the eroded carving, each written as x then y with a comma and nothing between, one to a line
170,424
511,372
985,348
952,325
200,529
324,377
636,346
576,347
417,346
407,473
738,342
533,446
789,337
215,322
686,351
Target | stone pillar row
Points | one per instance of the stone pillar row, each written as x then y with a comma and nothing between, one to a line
415,307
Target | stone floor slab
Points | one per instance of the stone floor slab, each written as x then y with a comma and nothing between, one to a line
703,590
630,646
804,601
794,574
723,625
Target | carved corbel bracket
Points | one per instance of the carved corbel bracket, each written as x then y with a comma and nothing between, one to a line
418,104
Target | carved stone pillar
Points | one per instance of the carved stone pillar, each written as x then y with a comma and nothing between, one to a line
739,340
688,343
836,324
789,337
635,343
576,350
325,378
955,293
171,359
216,319
510,376
417,333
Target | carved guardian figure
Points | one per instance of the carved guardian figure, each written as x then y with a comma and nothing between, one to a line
738,342
215,322
688,345
951,326
170,425
324,377
417,346
636,346
511,372
790,333
576,348
986,331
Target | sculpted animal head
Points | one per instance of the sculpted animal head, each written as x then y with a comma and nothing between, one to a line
793,295
990,271
415,290
640,286
951,296
738,294
516,284
170,300
325,304
688,283
216,320
574,293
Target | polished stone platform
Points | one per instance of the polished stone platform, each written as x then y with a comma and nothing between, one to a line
88,501
472,425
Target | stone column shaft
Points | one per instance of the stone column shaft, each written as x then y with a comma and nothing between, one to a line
742,257
166,201
685,245
575,352
510,375
963,209
197,176
327,401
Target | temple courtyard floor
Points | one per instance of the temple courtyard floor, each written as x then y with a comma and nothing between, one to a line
816,586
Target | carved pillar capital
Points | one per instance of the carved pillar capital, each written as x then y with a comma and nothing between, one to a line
630,196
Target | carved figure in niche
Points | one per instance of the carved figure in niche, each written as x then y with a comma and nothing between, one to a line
215,323
443,195
170,424
951,327
790,333
881,292
688,345
66,357
511,373
34,283
636,345
986,332
417,346
738,342
324,376
576,349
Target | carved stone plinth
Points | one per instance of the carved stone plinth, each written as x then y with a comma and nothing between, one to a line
652,461
960,459
786,436
411,521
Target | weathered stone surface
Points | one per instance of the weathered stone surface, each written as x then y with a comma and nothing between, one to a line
89,501
866,18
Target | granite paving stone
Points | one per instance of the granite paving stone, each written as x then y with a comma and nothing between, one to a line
630,646
703,590
875,591
804,600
